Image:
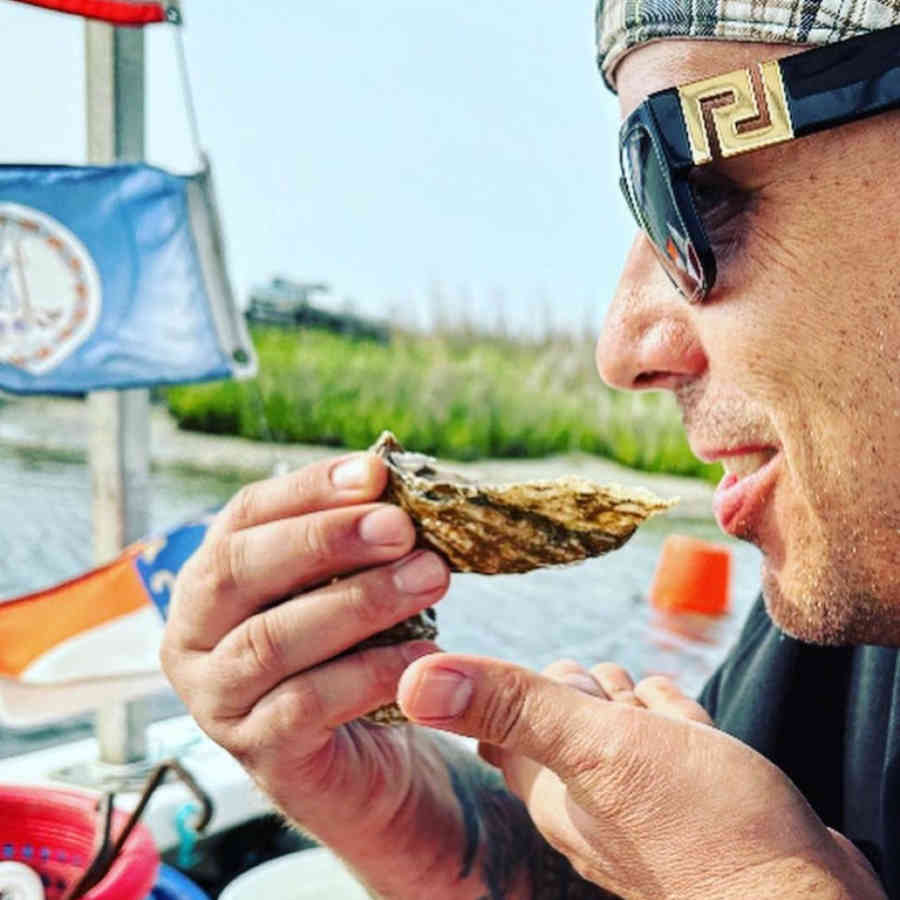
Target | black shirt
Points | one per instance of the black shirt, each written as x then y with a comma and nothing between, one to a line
830,719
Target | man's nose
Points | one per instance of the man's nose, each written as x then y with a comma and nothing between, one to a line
649,339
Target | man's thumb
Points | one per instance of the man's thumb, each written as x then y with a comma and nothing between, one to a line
502,704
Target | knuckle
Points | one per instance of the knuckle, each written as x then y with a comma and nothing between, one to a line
190,686
626,696
610,669
242,507
502,711
562,667
228,691
269,739
296,710
659,684
209,711
315,541
661,692
614,679
236,737
218,569
232,568
262,646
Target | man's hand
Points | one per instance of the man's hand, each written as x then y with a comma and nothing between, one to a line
264,675
641,794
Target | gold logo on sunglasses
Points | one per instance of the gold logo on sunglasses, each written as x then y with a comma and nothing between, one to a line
735,113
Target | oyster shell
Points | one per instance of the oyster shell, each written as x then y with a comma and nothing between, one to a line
510,528
502,529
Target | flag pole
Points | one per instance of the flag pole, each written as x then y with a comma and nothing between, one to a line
120,420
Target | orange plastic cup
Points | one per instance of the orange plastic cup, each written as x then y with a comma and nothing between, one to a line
692,576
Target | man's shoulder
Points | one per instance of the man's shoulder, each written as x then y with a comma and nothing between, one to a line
769,677
757,644
828,717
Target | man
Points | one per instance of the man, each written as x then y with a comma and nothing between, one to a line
764,290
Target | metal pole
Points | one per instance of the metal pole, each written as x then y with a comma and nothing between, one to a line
120,434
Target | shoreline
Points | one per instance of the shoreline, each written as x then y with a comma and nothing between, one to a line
60,428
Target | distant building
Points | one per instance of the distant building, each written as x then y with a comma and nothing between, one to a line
290,304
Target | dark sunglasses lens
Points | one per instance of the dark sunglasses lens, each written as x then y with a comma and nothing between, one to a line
653,203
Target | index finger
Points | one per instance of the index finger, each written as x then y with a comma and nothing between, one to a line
329,483
663,696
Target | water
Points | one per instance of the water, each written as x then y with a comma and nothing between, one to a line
589,612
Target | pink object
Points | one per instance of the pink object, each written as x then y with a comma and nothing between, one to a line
52,832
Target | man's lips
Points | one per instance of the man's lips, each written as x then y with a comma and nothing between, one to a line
750,475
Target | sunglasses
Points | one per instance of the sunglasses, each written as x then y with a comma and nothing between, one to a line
675,130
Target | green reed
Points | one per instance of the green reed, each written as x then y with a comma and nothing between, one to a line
460,396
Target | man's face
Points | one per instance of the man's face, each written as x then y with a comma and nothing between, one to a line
789,372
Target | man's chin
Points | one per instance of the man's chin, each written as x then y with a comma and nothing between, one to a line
817,611
804,615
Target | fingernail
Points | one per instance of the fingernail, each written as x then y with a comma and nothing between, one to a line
422,573
440,694
583,683
352,473
386,525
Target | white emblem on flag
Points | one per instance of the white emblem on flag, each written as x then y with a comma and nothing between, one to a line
50,294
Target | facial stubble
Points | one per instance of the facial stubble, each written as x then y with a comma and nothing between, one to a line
839,588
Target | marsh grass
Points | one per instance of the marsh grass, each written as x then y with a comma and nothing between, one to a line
456,394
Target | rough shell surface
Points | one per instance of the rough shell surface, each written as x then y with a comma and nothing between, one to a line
504,529
508,528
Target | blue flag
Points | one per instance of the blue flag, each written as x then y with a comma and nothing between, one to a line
161,560
113,277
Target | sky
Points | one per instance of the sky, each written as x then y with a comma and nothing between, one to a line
428,159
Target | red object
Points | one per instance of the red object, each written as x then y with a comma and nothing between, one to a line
52,832
116,12
692,576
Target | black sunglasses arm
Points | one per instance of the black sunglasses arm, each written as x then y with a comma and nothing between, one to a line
823,87
842,82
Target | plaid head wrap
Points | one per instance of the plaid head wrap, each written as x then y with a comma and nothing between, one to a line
623,24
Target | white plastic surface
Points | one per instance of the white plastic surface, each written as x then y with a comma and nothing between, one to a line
18,882
304,875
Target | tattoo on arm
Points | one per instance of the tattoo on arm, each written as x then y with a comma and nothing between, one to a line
513,843
496,820
471,822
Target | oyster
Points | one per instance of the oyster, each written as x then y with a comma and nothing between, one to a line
510,528
502,529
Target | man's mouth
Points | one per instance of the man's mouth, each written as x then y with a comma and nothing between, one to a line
750,475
